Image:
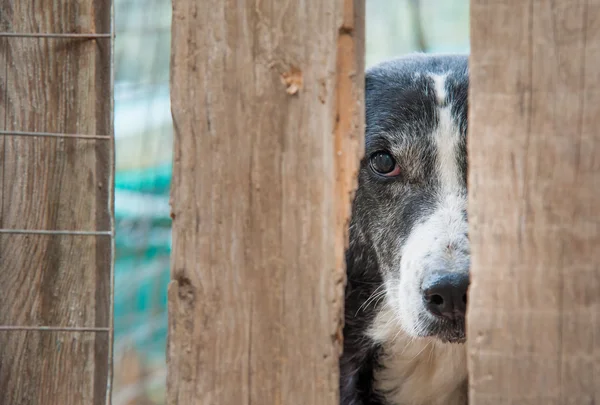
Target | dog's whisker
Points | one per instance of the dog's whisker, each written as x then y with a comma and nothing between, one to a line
372,297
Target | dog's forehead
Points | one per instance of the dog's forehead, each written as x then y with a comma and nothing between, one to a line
404,97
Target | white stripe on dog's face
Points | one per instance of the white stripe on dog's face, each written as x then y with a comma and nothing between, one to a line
439,86
446,138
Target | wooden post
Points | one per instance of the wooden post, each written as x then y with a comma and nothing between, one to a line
54,183
267,101
534,142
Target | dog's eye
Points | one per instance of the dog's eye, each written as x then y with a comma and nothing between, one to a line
383,163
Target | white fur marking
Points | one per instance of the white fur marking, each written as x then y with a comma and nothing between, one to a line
446,137
418,371
439,85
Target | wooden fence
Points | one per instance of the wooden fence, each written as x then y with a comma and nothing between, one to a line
268,109
268,115
267,103
534,208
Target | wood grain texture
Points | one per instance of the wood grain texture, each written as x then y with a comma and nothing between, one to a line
267,101
62,86
534,207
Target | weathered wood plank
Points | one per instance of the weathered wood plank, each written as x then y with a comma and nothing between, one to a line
534,329
267,105
47,368
60,86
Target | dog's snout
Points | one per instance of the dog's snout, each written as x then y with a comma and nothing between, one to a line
445,294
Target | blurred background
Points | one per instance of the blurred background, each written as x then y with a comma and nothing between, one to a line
143,164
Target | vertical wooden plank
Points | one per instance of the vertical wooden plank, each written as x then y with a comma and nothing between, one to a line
4,27
267,106
59,86
534,329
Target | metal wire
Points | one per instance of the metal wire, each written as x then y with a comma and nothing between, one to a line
53,135
12,328
57,35
111,209
54,232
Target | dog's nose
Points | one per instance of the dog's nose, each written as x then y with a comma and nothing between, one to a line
445,294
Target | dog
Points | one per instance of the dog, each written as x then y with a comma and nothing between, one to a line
408,255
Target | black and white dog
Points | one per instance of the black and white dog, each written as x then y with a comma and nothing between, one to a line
408,256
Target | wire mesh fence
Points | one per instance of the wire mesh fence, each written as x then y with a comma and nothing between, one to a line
56,193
